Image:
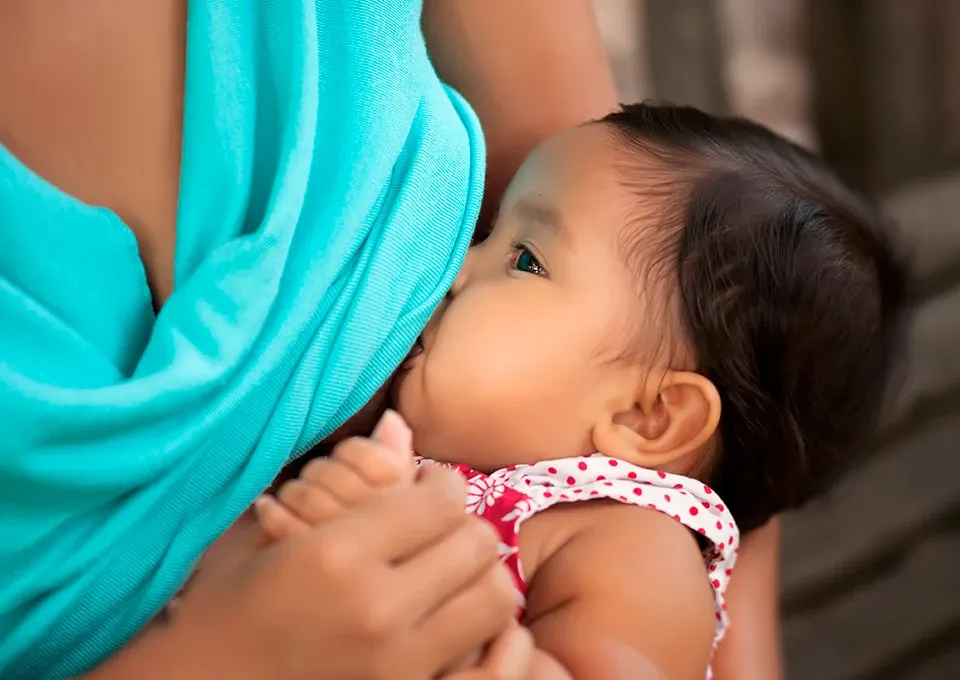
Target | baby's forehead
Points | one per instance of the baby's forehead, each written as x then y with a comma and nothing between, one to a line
615,220
600,195
579,175
595,160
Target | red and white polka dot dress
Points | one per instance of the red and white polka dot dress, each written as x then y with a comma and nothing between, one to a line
510,496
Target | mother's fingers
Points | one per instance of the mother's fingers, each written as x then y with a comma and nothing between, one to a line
430,578
404,520
276,519
469,619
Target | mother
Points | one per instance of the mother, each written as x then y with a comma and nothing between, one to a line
286,192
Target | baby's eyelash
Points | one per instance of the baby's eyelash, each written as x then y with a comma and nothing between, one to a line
522,258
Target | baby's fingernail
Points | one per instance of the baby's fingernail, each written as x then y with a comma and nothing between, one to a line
393,433
389,419
261,503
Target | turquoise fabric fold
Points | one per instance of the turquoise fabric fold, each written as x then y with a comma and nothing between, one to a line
329,188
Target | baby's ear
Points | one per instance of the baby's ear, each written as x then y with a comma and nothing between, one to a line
663,423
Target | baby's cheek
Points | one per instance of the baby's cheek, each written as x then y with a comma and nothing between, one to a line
490,416
450,405
463,393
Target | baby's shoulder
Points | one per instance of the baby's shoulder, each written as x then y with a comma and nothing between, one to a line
570,549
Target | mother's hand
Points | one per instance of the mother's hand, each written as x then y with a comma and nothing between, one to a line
397,588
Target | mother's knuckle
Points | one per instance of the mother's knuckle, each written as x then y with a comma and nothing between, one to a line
378,611
378,620
334,555
386,664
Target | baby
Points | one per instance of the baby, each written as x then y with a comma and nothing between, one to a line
687,321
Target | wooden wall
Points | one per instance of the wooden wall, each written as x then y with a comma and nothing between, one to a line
872,572
871,578
887,86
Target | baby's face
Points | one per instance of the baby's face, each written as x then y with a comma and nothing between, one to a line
519,363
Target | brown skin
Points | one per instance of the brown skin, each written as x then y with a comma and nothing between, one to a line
603,602
545,333
530,69
524,340
345,599
615,592
117,67
752,648
565,81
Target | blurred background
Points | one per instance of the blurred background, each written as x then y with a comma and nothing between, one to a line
871,576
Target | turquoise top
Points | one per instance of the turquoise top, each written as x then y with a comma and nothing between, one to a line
329,189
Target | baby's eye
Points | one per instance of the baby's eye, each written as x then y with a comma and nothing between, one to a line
525,261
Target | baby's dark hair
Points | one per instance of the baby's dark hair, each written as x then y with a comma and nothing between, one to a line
790,291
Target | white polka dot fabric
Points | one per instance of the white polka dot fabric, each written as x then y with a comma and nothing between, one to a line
510,496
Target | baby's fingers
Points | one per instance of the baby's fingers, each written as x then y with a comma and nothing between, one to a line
276,520
393,432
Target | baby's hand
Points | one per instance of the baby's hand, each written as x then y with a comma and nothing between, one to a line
358,470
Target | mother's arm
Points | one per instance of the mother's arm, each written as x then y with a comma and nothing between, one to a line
752,648
530,68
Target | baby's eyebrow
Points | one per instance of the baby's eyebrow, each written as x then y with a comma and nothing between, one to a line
543,215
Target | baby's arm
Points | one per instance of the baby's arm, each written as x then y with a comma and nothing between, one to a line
626,596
